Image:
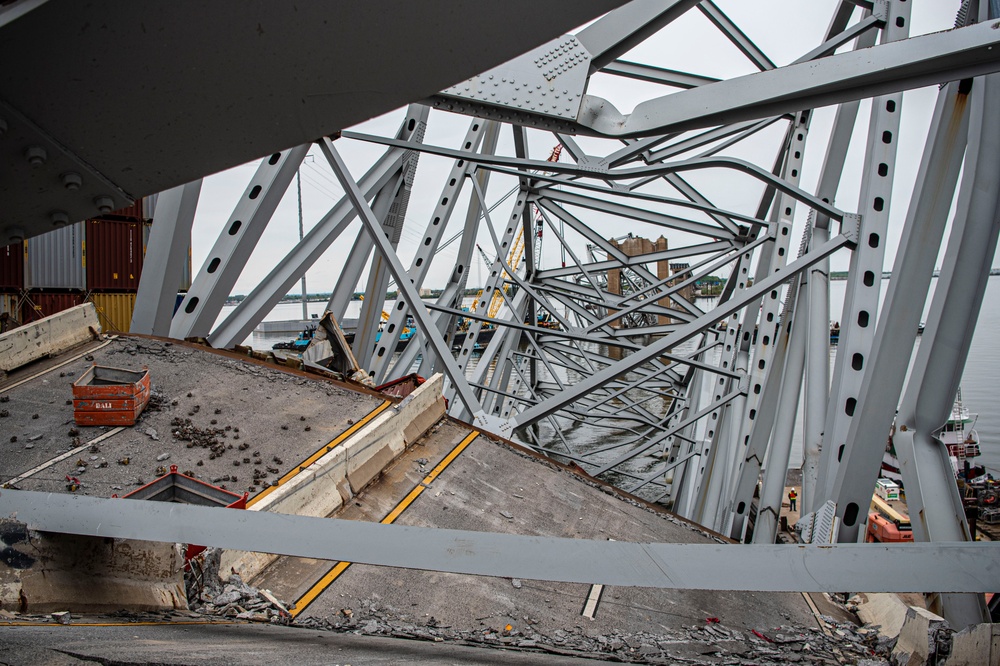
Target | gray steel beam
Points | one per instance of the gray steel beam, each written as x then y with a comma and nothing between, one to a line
952,567
252,310
166,255
935,508
887,68
620,30
735,35
817,319
651,74
237,240
768,287
433,234
350,276
885,368
861,300
410,294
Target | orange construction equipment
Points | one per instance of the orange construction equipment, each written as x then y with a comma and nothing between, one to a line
886,525
110,396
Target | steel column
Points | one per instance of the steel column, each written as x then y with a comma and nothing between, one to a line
885,369
166,255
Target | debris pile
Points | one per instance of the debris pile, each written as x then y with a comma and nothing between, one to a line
210,595
708,643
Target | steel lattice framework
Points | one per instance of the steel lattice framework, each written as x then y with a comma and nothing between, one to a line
692,407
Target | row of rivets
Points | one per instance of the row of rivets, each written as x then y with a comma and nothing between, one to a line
37,156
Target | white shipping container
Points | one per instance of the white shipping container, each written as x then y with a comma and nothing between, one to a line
57,260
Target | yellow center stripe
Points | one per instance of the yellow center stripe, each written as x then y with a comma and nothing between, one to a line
390,518
319,454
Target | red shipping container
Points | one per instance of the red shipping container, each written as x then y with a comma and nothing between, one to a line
39,304
12,267
114,255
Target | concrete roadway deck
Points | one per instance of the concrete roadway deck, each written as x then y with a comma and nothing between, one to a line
225,645
283,415
491,486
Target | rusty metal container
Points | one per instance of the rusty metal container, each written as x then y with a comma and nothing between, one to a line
114,311
183,489
12,267
40,304
57,260
114,255
110,396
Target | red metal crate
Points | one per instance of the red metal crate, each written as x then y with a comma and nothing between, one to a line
110,396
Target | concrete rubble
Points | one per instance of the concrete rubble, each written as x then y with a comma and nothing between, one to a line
209,594
708,643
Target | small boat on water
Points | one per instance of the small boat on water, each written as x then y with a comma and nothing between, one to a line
958,435
300,343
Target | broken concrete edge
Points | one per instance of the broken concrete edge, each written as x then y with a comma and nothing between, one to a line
918,633
921,637
307,373
978,644
324,486
885,611
46,572
45,337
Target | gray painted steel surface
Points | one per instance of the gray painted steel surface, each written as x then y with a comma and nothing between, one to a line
955,567
192,88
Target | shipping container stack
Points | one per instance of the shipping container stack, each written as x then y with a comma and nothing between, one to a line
99,260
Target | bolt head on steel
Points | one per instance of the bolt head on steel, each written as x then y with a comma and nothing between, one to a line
36,155
72,180
59,218
104,204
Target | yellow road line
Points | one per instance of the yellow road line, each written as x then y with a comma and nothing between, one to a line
390,518
320,453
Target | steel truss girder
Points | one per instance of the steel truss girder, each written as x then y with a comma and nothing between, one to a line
885,368
952,567
213,283
931,493
515,166
163,269
683,333
884,69
409,291
286,272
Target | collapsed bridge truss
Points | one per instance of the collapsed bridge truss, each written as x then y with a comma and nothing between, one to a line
677,401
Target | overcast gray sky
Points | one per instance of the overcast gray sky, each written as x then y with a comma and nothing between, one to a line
782,29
